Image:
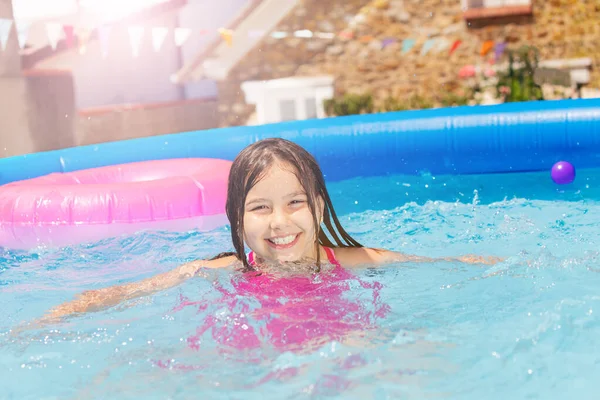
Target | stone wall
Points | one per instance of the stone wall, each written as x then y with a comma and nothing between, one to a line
280,58
362,63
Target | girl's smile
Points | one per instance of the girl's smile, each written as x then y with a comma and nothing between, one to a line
283,242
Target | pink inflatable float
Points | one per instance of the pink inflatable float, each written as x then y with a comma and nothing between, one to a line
89,205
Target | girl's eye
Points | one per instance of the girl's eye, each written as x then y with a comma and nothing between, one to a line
296,202
258,208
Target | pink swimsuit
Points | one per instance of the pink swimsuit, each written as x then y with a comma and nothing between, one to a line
290,312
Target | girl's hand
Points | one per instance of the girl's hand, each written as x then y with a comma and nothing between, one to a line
90,300
474,259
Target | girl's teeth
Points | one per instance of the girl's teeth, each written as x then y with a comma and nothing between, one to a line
283,240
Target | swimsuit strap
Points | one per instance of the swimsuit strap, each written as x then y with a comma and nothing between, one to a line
250,258
331,256
329,251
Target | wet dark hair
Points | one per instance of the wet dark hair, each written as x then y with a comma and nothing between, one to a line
250,166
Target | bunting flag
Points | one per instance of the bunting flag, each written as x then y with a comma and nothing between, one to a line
181,35
159,35
69,35
83,37
387,41
407,45
428,45
136,34
347,34
22,32
103,38
442,45
5,28
304,33
499,50
486,47
279,35
325,35
226,35
455,45
54,31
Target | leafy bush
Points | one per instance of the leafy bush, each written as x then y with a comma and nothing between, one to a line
518,83
415,102
451,99
349,104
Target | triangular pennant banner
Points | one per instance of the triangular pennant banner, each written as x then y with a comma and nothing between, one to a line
304,33
103,38
22,32
388,41
278,35
428,45
158,37
325,35
136,34
54,31
346,34
83,37
499,50
442,44
181,35
226,35
407,44
486,47
69,36
455,46
5,28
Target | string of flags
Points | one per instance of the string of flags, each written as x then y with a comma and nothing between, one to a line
80,36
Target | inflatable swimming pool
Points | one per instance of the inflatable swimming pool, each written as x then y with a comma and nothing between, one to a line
513,137
522,328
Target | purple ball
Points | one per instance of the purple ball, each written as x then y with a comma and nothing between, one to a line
563,172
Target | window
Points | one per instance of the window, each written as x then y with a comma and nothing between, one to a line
287,108
311,107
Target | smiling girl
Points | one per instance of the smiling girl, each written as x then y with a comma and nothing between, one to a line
278,207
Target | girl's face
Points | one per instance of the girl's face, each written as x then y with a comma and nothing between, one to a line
278,224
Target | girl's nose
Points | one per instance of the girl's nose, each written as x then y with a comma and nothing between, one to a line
278,219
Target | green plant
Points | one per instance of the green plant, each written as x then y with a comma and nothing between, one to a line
415,102
452,99
518,84
393,104
349,104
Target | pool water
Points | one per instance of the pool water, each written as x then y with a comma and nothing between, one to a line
525,328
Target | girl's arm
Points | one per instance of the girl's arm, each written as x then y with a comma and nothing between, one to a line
362,256
95,300
386,256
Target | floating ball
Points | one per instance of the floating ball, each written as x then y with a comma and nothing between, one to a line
563,172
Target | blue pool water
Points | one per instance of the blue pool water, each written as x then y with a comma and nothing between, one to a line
525,328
